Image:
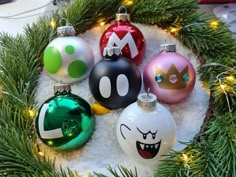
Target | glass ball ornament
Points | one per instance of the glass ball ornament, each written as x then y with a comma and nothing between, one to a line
115,81
146,130
65,121
125,35
68,59
169,75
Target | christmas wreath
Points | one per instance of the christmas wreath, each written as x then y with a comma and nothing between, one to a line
212,152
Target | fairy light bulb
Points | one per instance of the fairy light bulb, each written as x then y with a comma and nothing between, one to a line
185,158
32,113
41,154
102,23
214,24
230,78
127,2
222,86
53,24
173,30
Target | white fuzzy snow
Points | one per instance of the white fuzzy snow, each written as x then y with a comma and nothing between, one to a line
103,149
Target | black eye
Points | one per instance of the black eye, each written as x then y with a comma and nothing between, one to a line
153,136
144,136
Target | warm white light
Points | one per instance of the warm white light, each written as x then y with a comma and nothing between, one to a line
185,158
53,24
214,24
32,113
127,2
230,78
222,86
41,154
102,23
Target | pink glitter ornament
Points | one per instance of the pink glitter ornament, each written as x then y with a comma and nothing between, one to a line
169,75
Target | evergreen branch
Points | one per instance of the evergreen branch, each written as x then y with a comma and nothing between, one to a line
189,162
214,44
223,88
122,172
41,32
83,15
222,143
19,69
18,155
161,13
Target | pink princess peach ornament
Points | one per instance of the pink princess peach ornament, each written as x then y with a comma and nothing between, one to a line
169,75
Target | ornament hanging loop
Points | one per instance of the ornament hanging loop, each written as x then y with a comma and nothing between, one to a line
122,16
66,29
122,8
64,22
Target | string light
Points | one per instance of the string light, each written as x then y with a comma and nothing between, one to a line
53,24
186,159
222,86
225,87
41,153
127,2
31,112
87,174
50,142
173,30
230,78
102,23
214,24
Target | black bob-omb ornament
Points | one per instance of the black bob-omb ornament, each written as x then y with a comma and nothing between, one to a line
114,81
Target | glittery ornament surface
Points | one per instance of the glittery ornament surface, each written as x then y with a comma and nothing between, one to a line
126,36
186,78
173,78
159,78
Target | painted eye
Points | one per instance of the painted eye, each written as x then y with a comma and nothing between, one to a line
186,77
153,136
122,85
144,136
159,78
105,87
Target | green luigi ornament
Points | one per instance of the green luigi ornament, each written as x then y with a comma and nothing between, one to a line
65,121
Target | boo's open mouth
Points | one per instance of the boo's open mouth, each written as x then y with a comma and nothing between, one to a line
148,151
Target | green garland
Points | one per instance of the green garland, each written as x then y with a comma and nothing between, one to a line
211,153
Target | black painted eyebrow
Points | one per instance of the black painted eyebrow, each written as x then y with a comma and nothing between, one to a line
147,132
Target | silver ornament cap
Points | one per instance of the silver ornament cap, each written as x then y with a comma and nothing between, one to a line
167,48
110,51
66,31
147,101
122,17
62,88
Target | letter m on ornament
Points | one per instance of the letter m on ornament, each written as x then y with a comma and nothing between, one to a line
114,40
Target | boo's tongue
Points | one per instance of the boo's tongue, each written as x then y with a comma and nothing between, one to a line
145,154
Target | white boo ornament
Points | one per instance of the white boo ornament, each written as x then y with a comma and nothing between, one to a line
146,130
